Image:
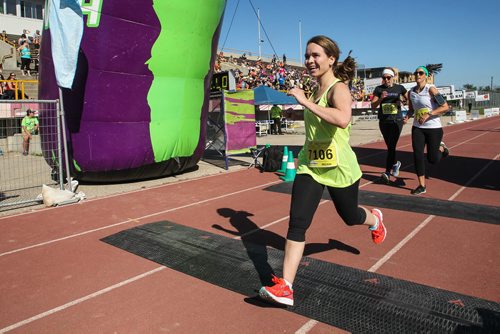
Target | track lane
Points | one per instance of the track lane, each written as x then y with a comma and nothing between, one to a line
323,225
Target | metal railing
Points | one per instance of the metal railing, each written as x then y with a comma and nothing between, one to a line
26,165
19,87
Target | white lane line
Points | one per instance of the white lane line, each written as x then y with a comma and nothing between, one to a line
400,245
473,178
80,300
263,227
135,219
311,323
406,145
303,330
307,327
405,167
159,186
403,242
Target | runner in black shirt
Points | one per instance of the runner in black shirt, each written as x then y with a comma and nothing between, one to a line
387,98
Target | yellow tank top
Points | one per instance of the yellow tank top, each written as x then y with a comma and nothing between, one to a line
326,154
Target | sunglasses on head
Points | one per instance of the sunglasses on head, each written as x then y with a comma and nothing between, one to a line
387,78
419,73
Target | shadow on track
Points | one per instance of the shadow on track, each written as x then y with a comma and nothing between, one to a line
453,169
253,236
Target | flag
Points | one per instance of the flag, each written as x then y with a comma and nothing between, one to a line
66,30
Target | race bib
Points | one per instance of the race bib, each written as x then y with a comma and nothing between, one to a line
389,108
421,112
322,155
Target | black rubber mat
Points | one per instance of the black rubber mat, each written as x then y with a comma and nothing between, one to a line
431,206
351,299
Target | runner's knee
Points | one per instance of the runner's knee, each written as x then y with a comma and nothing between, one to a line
356,218
297,230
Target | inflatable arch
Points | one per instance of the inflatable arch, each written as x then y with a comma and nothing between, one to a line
138,105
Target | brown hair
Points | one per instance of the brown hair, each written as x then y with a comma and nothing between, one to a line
344,71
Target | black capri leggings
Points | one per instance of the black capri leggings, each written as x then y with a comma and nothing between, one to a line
391,132
419,139
25,64
306,195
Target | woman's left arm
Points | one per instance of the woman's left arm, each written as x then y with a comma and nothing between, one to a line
443,107
339,97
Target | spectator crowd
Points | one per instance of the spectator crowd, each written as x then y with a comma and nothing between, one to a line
277,74
27,46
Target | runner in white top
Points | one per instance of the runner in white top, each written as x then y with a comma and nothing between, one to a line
427,105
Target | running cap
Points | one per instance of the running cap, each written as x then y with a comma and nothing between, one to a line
423,68
389,72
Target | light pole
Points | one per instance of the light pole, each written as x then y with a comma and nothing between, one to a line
258,28
300,41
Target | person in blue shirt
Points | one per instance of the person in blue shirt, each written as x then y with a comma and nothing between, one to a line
25,53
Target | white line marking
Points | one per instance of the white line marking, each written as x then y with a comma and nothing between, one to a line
311,323
473,178
303,330
307,327
156,186
408,135
400,245
135,219
403,242
80,300
263,227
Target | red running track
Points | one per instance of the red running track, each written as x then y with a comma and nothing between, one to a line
58,277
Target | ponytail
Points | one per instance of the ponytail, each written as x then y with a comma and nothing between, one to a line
346,70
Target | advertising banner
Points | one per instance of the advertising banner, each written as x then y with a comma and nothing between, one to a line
482,97
460,116
239,120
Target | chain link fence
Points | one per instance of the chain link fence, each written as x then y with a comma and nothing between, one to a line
494,101
30,151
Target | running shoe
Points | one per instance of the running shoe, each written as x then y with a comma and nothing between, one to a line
379,234
418,190
395,168
280,292
385,178
446,150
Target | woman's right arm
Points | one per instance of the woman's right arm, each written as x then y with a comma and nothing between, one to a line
376,99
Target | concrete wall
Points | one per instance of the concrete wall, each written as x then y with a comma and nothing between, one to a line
15,25
15,144
8,56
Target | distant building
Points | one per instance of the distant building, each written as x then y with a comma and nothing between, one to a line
19,15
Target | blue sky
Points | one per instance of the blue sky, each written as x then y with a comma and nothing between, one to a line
463,35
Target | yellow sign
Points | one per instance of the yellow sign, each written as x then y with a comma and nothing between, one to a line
421,112
322,155
389,108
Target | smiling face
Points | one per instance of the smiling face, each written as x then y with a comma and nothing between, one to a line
317,61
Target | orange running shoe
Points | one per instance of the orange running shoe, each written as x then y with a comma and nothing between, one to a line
280,292
380,233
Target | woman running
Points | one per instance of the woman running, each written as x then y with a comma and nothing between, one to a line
427,105
325,160
387,98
